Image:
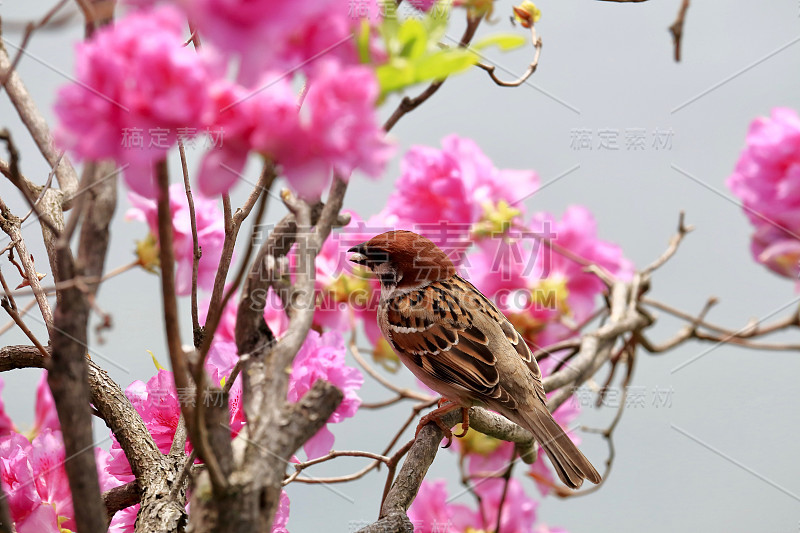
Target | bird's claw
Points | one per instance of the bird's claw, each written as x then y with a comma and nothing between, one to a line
435,417
464,423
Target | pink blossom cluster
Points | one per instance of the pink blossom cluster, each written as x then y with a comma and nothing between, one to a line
210,234
444,194
544,291
767,181
32,471
134,75
432,512
334,128
139,75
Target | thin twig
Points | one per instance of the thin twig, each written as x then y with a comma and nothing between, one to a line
196,253
29,29
409,104
14,314
506,481
676,29
22,312
537,44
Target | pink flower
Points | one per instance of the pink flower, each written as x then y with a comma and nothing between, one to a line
518,513
210,234
443,194
245,115
36,484
340,126
536,286
274,316
282,516
336,129
6,425
323,357
157,402
767,181
422,5
46,414
137,87
280,35
577,232
431,511
777,250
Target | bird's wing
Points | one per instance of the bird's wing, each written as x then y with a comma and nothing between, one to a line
446,329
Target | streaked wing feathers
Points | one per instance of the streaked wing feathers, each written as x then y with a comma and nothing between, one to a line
443,328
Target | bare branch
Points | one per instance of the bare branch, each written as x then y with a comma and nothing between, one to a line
676,29
674,243
409,104
10,225
195,243
37,126
537,45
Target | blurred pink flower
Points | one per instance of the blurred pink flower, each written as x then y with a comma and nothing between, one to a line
280,35
323,357
244,116
518,513
282,516
767,181
274,316
777,250
443,194
543,528
46,414
210,234
431,511
341,125
422,5
137,88
336,129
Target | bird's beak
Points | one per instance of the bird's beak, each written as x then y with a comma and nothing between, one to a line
358,256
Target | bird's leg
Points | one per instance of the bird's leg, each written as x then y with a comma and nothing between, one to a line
435,416
464,423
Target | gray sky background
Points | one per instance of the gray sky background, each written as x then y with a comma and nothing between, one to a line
722,456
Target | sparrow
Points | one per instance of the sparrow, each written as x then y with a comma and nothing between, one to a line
455,341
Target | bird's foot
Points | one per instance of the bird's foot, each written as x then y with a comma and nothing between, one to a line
464,422
435,416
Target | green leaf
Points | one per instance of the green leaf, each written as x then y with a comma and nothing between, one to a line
504,41
413,39
395,75
444,63
416,55
362,42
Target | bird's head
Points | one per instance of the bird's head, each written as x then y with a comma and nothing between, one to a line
403,259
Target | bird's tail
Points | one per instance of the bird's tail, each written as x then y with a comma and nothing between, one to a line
572,466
